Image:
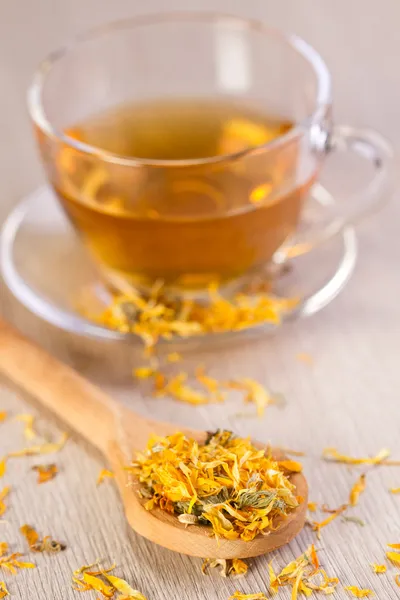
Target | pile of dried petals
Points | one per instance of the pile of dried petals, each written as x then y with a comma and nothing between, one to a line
234,567
85,579
226,483
158,317
304,575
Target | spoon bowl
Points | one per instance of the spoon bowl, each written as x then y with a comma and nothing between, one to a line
119,433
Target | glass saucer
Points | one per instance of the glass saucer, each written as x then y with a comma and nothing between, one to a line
46,267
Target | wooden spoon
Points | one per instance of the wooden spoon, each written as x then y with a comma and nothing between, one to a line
118,432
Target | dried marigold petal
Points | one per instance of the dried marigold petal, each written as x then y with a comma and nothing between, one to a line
317,526
291,465
357,489
378,568
29,431
3,548
12,563
255,392
98,585
3,495
37,545
104,473
122,586
394,557
143,372
239,567
174,357
296,583
357,592
3,415
45,472
334,455
3,467
394,490
45,448
312,506
30,534
3,590
397,579
395,546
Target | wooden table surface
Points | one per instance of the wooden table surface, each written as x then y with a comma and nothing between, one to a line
349,397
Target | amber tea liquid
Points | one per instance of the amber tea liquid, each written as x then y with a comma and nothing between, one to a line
186,224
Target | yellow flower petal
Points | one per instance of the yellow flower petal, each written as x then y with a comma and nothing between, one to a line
104,473
378,568
357,489
357,592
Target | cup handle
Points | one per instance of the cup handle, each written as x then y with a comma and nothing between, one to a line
371,146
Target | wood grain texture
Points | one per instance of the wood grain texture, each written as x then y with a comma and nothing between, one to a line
348,398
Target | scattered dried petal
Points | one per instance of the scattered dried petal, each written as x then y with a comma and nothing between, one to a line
122,586
3,467
304,575
394,490
174,357
317,526
143,372
357,592
180,390
3,415
3,494
239,567
255,392
98,584
3,590
12,563
234,567
104,473
312,506
29,431
211,384
45,472
334,455
397,579
357,489
395,546
46,448
37,545
378,568
394,557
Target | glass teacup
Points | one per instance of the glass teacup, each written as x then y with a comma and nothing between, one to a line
183,147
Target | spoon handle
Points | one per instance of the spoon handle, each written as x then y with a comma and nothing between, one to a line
58,388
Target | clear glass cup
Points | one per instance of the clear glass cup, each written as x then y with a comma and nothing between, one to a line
191,222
